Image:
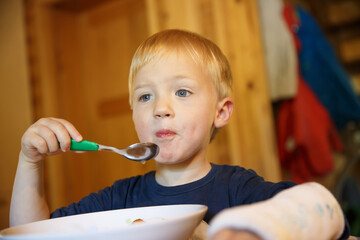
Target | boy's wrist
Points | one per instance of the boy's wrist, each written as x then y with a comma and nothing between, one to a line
35,162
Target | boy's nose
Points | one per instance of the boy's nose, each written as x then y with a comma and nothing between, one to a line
163,110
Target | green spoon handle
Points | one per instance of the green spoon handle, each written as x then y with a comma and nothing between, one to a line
84,145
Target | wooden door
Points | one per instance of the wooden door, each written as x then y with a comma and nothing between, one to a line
90,50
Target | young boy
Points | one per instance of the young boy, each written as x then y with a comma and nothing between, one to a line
179,92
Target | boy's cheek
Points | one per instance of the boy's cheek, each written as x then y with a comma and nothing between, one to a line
138,120
142,131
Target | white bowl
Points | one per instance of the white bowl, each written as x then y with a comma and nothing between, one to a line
169,222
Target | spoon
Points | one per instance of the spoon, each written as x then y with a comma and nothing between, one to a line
137,152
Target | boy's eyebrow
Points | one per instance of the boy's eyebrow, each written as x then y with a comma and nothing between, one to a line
137,86
182,77
143,84
148,82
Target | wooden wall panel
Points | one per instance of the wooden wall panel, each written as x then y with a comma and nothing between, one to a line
15,98
42,75
252,137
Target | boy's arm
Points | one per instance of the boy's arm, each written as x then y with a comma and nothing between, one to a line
306,211
41,139
28,202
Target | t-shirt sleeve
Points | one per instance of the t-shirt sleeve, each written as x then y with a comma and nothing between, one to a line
94,202
106,199
248,187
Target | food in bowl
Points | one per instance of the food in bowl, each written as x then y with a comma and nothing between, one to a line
139,220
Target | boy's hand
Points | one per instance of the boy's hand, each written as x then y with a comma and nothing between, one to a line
231,234
43,137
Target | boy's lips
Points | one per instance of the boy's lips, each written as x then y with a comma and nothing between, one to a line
164,133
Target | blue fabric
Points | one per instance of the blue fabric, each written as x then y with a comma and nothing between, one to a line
321,69
223,187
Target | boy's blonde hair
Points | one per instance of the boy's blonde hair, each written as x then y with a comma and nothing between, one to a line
203,52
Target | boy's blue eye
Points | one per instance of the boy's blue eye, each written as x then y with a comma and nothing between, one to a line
145,97
182,93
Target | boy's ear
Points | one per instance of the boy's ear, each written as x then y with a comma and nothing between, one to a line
224,112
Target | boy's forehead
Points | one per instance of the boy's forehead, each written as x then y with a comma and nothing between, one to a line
167,59
181,63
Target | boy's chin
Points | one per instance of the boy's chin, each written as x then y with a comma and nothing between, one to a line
171,161
166,163
166,160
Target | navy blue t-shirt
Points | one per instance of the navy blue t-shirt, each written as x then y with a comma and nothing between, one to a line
223,187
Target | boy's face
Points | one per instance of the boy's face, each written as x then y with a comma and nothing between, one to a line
174,106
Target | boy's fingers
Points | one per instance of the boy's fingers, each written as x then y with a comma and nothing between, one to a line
39,144
74,133
54,153
54,133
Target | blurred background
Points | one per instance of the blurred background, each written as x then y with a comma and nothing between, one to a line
296,70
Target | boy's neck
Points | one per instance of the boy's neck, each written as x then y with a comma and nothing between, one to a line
174,175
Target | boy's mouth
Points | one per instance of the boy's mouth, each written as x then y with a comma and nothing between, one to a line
164,133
